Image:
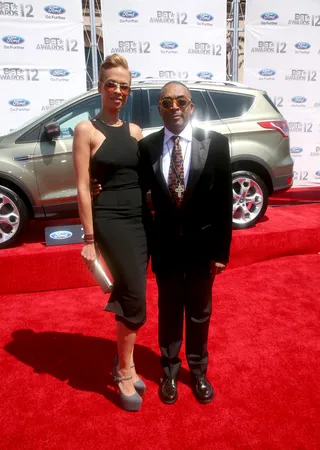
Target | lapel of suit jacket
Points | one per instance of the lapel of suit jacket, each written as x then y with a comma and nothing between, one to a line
199,154
155,151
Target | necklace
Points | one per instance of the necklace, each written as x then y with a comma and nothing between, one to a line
109,125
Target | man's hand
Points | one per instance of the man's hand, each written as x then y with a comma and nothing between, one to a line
95,188
217,267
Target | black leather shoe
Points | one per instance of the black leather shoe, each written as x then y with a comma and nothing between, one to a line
202,389
168,390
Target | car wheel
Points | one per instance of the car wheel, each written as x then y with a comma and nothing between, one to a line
13,216
250,199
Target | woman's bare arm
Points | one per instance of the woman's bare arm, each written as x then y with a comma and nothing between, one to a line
81,161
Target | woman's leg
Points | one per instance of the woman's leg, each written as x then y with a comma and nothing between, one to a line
125,341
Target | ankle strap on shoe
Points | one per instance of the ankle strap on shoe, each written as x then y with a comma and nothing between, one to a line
118,379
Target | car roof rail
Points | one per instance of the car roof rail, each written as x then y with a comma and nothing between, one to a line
188,80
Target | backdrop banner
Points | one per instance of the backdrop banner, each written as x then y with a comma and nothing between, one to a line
42,59
282,56
166,39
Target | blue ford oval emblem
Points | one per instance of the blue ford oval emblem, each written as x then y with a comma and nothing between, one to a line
61,234
135,74
13,40
269,16
303,45
204,17
128,13
318,173
205,75
54,9
299,99
19,102
59,72
169,45
267,72
296,150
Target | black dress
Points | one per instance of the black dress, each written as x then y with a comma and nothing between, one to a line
119,212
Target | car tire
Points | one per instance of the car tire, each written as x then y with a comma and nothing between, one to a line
13,217
250,199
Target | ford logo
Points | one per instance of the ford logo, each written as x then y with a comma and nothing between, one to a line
54,9
269,16
318,173
19,102
61,234
14,40
128,13
135,74
205,75
59,72
267,72
303,46
296,150
299,99
169,45
204,17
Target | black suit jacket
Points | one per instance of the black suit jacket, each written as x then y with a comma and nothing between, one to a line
204,218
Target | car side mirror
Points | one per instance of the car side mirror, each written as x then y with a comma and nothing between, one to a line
52,130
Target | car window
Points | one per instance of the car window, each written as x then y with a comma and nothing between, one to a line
69,117
230,105
203,108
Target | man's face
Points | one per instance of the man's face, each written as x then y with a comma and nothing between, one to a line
175,118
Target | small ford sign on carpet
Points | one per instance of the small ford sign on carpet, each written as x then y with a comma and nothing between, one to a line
64,234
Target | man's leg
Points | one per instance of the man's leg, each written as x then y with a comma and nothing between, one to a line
171,308
198,305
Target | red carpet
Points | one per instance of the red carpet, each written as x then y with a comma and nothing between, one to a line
57,349
32,266
296,196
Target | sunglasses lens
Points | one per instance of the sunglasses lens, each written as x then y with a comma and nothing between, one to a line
124,88
182,102
110,86
167,103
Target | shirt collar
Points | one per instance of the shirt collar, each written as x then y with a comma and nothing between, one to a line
186,134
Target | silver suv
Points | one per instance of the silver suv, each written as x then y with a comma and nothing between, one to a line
36,171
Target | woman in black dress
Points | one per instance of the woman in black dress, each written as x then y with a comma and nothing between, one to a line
106,149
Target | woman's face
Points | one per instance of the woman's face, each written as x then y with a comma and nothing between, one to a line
115,88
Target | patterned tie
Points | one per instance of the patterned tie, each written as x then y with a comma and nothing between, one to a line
176,172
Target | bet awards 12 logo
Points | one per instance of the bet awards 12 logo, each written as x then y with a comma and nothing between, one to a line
204,48
132,47
10,9
170,17
270,47
18,74
58,44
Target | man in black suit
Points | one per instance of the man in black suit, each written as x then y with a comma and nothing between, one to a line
189,174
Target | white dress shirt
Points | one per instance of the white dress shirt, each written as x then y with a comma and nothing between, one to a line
185,143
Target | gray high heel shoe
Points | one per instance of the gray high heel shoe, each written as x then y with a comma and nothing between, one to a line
139,385
130,403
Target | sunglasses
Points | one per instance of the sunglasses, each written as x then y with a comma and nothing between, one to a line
167,102
111,86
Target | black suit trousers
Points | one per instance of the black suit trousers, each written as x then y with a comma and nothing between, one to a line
186,290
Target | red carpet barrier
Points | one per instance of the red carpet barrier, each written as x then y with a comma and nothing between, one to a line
34,267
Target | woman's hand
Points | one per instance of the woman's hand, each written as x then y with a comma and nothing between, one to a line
89,255
95,187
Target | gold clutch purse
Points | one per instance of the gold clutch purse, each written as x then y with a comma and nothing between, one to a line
101,277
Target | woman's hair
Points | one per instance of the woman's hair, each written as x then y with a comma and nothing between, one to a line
111,62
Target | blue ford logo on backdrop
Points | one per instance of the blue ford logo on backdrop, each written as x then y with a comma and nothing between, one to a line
19,102
135,74
204,17
296,150
267,72
15,40
62,234
59,72
303,45
128,13
169,45
318,173
269,16
299,99
205,75
54,9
